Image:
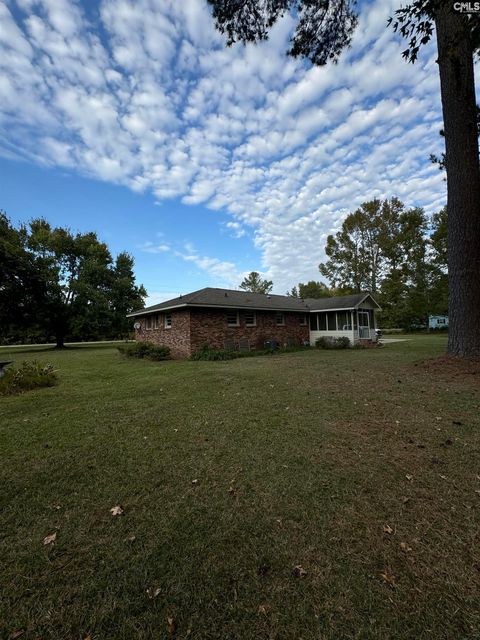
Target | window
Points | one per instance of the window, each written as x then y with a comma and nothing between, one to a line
303,319
279,318
155,321
232,319
250,319
149,322
322,321
314,322
344,321
441,321
168,321
332,321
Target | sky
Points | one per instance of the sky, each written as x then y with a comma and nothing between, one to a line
131,118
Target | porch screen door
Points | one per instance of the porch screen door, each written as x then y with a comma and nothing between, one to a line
363,324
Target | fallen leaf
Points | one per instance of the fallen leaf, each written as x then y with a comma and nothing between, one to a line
477,491
195,481
405,548
171,625
387,529
89,637
299,571
131,538
16,634
116,511
263,609
409,477
443,477
232,491
388,579
50,539
153,592
405,500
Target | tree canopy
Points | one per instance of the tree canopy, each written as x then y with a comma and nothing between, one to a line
397,254
67,285
256,284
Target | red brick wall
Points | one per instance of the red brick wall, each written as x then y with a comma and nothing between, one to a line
209,326
177,337
193,328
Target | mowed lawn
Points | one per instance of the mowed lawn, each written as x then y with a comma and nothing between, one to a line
361,467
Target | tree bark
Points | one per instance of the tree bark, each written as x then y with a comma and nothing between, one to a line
60,339
455,60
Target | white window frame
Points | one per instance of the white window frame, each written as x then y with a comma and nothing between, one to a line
166,323
282,323
251,324
237,322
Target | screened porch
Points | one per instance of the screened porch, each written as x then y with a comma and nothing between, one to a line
355,324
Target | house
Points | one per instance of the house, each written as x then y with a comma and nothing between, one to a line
438,322
223,318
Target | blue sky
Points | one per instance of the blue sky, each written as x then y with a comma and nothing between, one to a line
132,119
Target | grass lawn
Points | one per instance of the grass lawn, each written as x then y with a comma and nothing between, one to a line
362,467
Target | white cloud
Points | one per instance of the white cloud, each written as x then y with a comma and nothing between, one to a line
153,100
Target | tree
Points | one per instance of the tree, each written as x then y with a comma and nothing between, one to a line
382,248
357,253
125,295
21,286
323,29
311,289
439,263
84,291
254,283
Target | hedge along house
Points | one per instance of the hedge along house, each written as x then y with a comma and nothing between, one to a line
226,319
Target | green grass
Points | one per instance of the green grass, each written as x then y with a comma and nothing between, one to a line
301,459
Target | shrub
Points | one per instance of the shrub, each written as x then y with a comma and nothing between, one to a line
29,375
207,353
146,350
343,342
327,342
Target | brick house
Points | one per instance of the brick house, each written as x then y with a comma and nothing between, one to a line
226,319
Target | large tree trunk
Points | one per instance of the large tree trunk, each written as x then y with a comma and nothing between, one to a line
60,340
455,60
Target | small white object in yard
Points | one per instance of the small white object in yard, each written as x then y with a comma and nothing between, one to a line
50,538
195,481
117,510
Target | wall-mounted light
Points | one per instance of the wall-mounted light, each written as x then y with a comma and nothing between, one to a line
137,325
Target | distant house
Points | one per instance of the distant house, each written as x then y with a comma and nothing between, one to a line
437,322
226,319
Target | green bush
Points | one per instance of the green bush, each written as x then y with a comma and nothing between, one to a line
206,353
327,342
29,375
147,350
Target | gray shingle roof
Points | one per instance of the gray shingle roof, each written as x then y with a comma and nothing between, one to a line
337,302
210,297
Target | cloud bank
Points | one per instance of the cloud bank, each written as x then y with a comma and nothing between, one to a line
143,93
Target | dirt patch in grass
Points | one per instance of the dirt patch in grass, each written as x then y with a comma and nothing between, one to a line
452,366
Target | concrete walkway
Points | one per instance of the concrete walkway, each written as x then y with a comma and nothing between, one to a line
390,340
